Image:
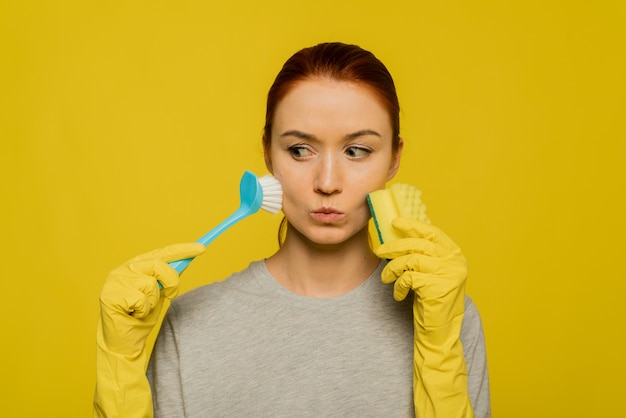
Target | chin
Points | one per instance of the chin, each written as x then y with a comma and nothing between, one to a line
332,236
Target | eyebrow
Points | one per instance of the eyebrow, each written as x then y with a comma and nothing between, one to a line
363,132
353,135
298,134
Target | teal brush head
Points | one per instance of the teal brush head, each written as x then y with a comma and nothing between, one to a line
260,193
254,193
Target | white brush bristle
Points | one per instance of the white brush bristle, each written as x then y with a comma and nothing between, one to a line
272,194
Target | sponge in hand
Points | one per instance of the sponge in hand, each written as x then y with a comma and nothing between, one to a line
398,200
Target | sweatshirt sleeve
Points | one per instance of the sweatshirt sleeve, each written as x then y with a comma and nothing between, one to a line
473,340
164,372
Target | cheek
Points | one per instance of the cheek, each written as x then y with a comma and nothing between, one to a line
292,191
371,181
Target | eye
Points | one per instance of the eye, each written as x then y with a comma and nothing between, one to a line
358,152
299,151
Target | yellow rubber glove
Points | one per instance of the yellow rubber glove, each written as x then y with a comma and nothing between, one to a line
130,308
432,265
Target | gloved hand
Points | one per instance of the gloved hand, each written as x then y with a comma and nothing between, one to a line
130,308
426,261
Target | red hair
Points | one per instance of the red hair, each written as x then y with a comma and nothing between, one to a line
340,62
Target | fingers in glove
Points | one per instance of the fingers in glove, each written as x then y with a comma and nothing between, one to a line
427,276
405,271
158,271
416,281
412,262
174,252
416,229
132,288
402,286
405,246
162,272
156,268
129,293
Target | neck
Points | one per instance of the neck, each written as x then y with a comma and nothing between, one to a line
322,271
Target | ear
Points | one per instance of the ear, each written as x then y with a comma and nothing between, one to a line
395,161
268,159
268,164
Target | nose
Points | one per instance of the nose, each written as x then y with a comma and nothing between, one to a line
329,178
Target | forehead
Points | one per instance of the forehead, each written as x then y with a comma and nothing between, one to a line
322,102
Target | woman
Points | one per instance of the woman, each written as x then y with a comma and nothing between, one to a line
311,330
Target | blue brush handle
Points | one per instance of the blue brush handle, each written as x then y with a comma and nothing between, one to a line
206,239
210,236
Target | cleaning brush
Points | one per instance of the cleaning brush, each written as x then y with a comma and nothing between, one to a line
254,193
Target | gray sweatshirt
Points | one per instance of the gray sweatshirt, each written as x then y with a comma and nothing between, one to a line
247,347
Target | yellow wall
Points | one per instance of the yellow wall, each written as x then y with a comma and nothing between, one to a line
126,125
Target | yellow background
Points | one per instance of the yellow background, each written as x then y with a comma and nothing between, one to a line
126,125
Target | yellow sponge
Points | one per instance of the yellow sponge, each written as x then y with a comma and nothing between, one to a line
398,200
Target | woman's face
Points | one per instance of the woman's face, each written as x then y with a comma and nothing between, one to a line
330,147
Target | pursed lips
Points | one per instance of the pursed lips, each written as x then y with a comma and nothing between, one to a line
326,214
